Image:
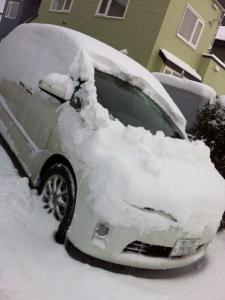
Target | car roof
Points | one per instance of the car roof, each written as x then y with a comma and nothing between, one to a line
188,85
190,96
102,57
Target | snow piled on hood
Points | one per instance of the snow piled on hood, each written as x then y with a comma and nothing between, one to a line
128,169
44,49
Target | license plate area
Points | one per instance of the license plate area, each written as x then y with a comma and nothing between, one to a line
184,247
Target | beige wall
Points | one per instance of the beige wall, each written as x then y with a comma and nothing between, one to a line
213,74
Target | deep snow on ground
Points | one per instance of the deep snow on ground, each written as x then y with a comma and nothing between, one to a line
33,266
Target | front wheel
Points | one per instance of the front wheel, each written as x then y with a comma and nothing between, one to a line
58,192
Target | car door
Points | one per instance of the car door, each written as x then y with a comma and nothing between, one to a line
27,119
38,116
11,94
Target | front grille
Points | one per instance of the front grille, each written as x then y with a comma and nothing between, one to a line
149,250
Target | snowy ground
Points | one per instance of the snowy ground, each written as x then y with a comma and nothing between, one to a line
33,266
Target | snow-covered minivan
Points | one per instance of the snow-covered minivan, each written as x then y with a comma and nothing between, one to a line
106,147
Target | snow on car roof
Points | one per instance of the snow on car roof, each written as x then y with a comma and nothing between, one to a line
47,40
198,88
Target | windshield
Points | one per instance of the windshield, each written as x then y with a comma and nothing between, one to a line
131,106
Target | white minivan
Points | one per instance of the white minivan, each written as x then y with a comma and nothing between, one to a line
106,147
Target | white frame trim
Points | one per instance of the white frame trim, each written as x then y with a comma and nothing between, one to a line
62,10
200,19
97,14
8,9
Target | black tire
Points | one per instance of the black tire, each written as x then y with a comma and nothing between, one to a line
64,172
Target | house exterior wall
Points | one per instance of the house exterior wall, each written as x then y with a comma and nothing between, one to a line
27,10
213,74
137,32
169,40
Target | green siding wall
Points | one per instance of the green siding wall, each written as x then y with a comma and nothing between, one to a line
169,40
137,32
212,77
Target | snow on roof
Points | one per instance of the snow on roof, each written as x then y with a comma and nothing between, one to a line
198,88
177,61
41,42
221,33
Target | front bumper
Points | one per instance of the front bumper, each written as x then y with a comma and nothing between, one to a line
113,248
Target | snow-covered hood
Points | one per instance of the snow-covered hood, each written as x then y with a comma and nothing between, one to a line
128,169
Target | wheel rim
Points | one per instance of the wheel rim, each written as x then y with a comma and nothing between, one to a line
55,196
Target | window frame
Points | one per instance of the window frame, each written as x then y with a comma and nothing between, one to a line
8,9
199,20
105,15
61,10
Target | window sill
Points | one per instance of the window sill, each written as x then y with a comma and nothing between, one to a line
186,42
60,11
10,18
109,17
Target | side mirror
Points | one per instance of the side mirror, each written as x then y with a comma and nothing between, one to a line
57,85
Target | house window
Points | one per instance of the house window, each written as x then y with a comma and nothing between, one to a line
12,10
112,8
61,5
191,27
2,6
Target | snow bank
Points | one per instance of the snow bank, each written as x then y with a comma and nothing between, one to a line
44,49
